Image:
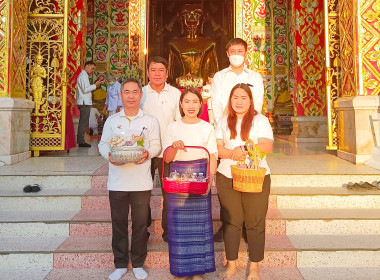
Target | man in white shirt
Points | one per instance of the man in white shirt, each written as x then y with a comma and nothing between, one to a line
130,184
162,101
113,102
226,79
93,121
236,73
84,100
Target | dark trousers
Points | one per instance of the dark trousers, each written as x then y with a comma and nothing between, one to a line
238,207
83,122
157,163
120,202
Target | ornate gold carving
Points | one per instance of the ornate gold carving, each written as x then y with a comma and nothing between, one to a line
46,76
37,76
4,39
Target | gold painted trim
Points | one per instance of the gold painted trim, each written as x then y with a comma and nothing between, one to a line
6,50
239,19
272,52
358,33
331,146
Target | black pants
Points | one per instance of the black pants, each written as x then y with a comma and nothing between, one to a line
238,207
83,122
157,163
120,202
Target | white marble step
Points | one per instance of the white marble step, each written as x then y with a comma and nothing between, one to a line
25,274
340,273
18,182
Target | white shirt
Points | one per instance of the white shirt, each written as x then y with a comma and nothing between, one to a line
198,134
84,89
261,129
94,114
131,177
163,105
225,80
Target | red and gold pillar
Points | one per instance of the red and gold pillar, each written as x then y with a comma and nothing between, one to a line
358,107
309,121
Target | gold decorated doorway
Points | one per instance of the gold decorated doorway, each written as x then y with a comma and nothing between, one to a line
46,73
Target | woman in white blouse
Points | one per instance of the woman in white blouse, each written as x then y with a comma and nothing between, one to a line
242,123
189,216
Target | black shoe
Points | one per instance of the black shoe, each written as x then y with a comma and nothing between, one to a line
218,237
32,188
84,145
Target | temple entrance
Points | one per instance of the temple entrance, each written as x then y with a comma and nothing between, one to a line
167,32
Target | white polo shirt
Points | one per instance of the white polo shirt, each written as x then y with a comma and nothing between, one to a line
225,80
163,105
261,129
84,89
131,177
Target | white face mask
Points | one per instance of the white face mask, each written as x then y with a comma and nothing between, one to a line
236,60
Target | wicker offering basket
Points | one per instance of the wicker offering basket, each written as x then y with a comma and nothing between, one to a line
248,179
188,187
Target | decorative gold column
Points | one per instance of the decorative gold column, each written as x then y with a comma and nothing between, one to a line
14,108
13,16
359,26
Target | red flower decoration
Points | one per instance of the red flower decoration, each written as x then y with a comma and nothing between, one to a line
102,7
101,56
113,41
120,5
280,3
119,18
101,23
279,21
261,10
90,28
279,59
281,40
101,40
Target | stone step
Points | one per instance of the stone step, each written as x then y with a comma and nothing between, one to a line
48,182
154,274
279,222
340,273
281,251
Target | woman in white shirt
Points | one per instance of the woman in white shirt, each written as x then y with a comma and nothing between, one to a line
191,245
242,123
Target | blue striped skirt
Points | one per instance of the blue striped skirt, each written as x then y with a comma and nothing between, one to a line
191,244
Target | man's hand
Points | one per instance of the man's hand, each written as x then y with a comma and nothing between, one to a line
111,160
98,83
144,156
179,145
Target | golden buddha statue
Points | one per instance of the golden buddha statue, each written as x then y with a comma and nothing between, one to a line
192,54
283,104
37,74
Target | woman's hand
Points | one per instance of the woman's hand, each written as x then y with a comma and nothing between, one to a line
179,145
237,154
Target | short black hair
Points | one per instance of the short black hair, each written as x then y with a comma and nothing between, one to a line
237,41
90,62
158,59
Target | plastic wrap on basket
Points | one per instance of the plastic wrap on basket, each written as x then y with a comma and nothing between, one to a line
196,166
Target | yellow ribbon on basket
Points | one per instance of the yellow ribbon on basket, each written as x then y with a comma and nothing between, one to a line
249,179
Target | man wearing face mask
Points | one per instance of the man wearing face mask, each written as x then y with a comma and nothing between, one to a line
236,73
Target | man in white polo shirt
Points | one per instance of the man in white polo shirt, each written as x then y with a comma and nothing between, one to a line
226,79
162,101
236,73
84,100
130,184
